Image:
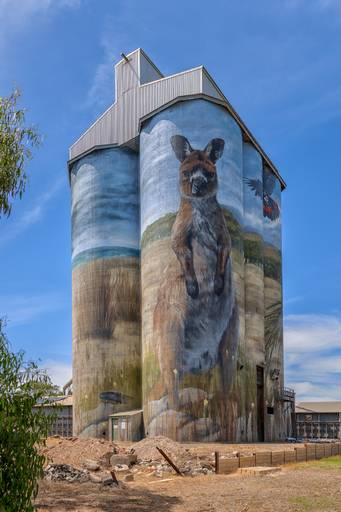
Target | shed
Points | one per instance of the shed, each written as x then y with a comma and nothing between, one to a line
126,426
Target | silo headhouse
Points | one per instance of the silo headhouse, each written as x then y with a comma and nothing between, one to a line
176,265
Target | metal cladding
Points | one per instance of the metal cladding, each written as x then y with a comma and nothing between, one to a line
176,264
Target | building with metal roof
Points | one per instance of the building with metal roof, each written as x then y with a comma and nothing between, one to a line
177,264
318,420
141,91
61,408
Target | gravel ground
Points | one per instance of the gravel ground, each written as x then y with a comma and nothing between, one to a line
299,488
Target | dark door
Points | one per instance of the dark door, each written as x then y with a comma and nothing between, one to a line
260,403
115,436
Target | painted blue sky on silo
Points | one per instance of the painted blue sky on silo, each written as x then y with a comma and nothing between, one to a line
199,121
105,210
253,218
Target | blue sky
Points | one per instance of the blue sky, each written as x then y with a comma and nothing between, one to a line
278,63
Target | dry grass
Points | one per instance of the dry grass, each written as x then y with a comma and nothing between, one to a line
300,488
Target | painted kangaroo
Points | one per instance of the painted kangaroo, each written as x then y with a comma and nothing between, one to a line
196,318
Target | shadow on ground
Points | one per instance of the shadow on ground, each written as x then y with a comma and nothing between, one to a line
88,497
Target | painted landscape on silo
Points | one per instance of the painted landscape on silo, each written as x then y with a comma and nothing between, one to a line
190,313
184,395
106,295
262,248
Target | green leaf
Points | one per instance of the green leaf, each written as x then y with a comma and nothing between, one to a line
23,429
16,143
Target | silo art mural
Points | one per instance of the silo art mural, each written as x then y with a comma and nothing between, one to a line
177,265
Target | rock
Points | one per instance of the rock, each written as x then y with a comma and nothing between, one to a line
104,461
128,459
65,472
121,467
157,473
129,478
107,480
91,465
95,478
206,465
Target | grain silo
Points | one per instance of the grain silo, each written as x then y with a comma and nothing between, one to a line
177,274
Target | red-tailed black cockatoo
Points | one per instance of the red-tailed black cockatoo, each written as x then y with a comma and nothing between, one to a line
264,190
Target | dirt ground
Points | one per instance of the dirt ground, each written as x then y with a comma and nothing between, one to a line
314,486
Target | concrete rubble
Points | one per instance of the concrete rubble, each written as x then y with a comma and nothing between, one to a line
54,472
95,461
91,465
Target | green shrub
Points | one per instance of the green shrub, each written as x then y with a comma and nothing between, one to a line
23,430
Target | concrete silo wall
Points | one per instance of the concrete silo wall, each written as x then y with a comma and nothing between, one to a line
106,293
273,310
192,298
254,290
195,220
264,378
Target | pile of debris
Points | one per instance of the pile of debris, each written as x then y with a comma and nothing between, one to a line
189,468
67,473
148,456
76,450
146,450
83,459
58,472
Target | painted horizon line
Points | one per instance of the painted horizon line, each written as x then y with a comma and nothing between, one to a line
105,252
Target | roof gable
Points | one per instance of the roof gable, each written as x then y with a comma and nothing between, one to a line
141,91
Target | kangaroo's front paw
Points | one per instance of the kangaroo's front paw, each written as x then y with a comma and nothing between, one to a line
192,288
219,282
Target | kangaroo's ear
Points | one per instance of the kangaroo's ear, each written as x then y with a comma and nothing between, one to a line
181,147
215,149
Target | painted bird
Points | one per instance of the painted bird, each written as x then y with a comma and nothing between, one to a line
270,207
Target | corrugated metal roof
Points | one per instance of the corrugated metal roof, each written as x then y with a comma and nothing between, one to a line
320,407
58,400
141,90
126,413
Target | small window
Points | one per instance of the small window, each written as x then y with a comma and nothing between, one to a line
270,410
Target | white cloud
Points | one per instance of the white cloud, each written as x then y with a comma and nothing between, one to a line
20,309
311,333
116,38
16,15
308,392
102,90
313,356
18,11
59,372
11,230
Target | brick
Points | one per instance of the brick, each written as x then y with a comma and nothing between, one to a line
228,465
277,458
289,456
263,458
258,471
247,461
300,454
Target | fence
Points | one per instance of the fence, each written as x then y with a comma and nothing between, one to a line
304,453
